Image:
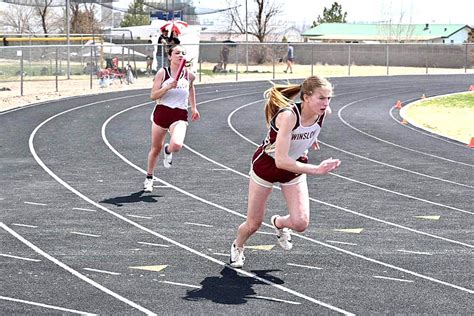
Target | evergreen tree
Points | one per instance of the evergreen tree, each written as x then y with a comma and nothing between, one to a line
136,15
333,15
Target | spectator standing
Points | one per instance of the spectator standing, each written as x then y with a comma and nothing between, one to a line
225,57
163,42
290,55
149,58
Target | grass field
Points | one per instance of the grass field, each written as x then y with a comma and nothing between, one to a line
451,116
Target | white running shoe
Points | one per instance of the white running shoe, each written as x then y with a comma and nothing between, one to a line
168,158
283,234
148,185
237,257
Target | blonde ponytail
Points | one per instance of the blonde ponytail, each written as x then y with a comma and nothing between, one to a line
279,97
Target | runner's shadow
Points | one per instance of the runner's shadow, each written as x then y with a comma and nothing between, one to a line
230,288
132,198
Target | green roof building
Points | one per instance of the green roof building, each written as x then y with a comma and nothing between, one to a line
388,33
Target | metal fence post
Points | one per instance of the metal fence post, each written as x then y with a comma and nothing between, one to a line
349,61
273,60
56,71
91,67
21,72
237,63
200,70
465,60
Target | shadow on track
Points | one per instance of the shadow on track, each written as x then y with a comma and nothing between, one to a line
132,198
230,288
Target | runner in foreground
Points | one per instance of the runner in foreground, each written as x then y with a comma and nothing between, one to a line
282,158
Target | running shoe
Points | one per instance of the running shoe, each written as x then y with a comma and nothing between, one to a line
168,158
283,235
148,185
237,257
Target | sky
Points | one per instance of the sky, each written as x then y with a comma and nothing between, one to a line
396,11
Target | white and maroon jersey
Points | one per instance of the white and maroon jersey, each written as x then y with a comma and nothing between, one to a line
302,137
175,98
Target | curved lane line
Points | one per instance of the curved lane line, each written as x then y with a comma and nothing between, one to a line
343,177
67,186
46,305
339,114
74,272
420,129
85,198
240,271
268,225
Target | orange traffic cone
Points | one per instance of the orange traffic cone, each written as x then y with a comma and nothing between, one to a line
471,144
423,96
471,87
398,105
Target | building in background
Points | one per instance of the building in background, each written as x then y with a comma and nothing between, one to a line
388,33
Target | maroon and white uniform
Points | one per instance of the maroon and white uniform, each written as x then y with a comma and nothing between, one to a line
173,105
302,137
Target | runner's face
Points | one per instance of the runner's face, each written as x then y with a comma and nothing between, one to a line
319,100
178,54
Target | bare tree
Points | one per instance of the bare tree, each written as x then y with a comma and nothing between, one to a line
18,18
259,21
44,11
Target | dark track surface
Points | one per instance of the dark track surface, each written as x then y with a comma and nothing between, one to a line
75,221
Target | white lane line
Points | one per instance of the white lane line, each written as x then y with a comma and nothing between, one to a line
240,271
268,225
1,199
152,244
139,216
85,234
339,207
272,299
415,252
392,279
229,123
35,203
102,271
197,224
304,266
11,299
221,254
125,219
83,209
398,168
21,258
339,113
340,242
181,284
265,233
74,272
402,194
24,225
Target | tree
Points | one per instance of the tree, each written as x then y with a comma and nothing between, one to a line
136,15
18,18
259,22
43,9
333,15
83,19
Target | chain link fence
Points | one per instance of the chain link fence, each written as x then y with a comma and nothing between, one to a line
53,65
